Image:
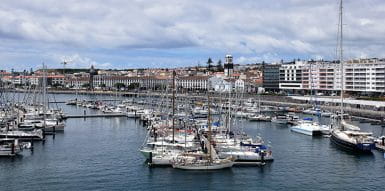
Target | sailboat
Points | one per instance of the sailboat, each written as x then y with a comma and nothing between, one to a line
259,116
345,135
209,161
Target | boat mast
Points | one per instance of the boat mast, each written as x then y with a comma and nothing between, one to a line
229,112
173,106
209,123
44,95
341,60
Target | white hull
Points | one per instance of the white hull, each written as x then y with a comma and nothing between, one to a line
9,152
132,115
207,166
307,128
302,131
279,121
245,156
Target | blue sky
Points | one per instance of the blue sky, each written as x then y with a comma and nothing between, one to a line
174,33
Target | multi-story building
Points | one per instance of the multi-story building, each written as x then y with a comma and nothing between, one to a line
270,77
152,82
359,76
192,82
290,76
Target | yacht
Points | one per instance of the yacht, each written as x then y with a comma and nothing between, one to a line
345,135
307,127
356,141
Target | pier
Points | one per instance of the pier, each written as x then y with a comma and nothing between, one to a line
94,115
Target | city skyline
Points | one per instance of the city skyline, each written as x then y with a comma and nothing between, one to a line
148,34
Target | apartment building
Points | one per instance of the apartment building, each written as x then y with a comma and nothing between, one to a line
359,76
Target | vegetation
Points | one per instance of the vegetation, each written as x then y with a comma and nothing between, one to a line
119,85
209,64
86,85
219,66
133,86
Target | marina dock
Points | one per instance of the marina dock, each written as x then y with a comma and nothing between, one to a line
94,116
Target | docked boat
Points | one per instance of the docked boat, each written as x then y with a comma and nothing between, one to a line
380,143
202,164
259,117
281,119
23,135
307,127
9,147
72,102
356,141
345,135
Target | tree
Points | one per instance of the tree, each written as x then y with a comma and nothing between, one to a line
209,62
119,85
219,66
86,85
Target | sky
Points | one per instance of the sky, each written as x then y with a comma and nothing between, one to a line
174,33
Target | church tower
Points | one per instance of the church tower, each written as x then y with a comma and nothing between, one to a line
229,65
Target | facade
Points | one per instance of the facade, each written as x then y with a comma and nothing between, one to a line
192,82
270,79
359,76
229,65
239,85
290,76
34,80
219,84
152,82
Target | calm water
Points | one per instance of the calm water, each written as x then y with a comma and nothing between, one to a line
102,154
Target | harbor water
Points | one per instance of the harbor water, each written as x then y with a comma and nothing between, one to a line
102,154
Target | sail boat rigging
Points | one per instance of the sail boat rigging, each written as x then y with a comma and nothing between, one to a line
345,135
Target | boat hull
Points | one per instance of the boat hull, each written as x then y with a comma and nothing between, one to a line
357,148
204,167
306,132
9,152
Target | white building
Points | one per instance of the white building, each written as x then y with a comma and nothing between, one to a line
363,75
239,85
192,82
219,84
290,76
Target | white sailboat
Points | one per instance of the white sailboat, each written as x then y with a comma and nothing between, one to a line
209,161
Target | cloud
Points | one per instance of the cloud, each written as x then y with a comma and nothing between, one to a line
249,29
78,61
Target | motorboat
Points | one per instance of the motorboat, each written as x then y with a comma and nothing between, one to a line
281,119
